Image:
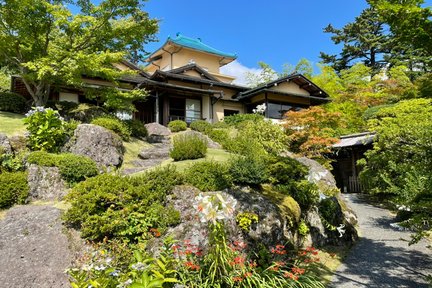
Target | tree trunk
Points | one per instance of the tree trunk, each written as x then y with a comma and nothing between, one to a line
39,91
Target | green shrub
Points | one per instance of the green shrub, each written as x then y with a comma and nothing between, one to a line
121,207
236,119
188,147
177,125
115,125
201,126
137,128
47,129
329,210
73,168
76,168
13,188
283,170
248,170
221,136
305,193
63,107
87,112
11,102
209,176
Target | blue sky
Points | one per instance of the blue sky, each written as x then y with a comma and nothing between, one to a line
273,31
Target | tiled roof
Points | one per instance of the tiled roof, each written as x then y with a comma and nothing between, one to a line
360,139
197,44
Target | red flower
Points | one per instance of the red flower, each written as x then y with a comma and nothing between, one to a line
155,232
297,270
192,266
290,275
247,274
237,279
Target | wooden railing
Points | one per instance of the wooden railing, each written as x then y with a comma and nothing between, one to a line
354,185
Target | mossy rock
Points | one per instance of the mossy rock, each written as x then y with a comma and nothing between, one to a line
288,207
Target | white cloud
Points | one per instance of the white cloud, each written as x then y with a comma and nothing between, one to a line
238,70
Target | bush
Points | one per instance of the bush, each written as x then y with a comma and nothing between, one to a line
47,129
122,207
221,136
248,170
115,125
137,128
11,102
63,107
209,176
201,126
177,125
236,119
305,193
13,188
73,168
284,170
86,112
76,168
188,147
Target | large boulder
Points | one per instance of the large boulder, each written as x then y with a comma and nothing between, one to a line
210,142
98,143
45,183
322,234
5,146
157,133
271,229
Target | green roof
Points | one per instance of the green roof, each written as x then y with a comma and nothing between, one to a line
197,44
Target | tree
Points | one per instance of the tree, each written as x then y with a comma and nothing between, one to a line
303,67
5,80
411,25
44,43
364,40
266,75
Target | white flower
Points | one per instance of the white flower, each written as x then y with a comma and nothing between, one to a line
260,109
139,266
115,273
100,268
87,267
341,230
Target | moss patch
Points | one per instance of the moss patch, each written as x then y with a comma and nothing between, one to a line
11,123
132,149
289,208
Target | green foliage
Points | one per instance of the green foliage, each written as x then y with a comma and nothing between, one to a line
13,188
221,136
303,229
53,45
283,170
399,164
424,84
115,125
47,129
246,219
122,207
371,112
236,119
86,112
63,107
177,125
365,39
201,126
305,193
188,146
10,162
137,128
209,176
248,170
329,209
5,79
73,168
11,102
266,75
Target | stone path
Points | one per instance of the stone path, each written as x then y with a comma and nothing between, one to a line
33,248
381,258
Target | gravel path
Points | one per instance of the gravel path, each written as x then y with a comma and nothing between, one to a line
381,258
33,248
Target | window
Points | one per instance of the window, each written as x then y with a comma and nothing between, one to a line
278,110
228,112
193,110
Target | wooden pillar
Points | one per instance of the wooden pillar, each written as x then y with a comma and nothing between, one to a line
266,103
156,107
165,111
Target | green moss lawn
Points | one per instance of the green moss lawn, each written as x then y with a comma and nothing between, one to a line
11,123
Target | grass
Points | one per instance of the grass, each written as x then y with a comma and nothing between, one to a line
330,259
217,155
11,123
133,148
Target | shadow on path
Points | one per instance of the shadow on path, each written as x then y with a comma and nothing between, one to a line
382,257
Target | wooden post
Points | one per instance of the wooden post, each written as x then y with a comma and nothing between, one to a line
156,107
266,103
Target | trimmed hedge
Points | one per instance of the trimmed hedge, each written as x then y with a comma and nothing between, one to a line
11,102
120,207
188,147
177,125
201,126
13,188
115,125
73,168
209,176
137,128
